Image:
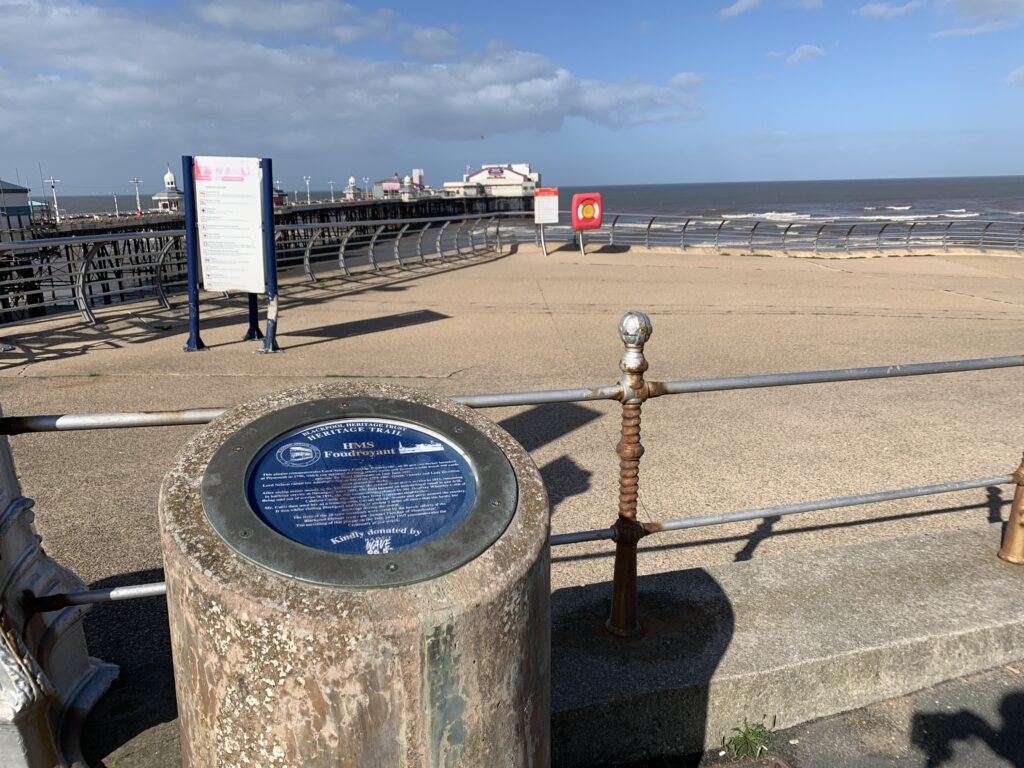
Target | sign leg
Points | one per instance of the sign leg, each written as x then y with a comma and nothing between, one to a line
543,245
254,333
195,342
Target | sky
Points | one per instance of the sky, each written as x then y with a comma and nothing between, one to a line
96,92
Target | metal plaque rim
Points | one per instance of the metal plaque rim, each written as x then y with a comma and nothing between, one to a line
227,509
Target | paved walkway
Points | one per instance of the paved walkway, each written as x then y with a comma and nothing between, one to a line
528,322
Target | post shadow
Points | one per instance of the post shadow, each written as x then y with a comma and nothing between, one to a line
936,734
135,635
643,701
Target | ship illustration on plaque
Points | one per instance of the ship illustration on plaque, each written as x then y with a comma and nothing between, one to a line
420,448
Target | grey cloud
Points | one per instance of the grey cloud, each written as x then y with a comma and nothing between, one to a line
272,15
740,6
96,78
431,44
804,53
887,11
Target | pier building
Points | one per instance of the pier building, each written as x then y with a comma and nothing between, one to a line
508,180
170,198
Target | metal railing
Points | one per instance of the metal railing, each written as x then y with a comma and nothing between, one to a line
44,276
41,277
799,235
632,390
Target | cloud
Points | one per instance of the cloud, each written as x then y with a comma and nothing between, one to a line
740,6
686,81
431,44
271,15
986,9
807,5
888,11
981,16
1016,77
81,79
980,29
804,53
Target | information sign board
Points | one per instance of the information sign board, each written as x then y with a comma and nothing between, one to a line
545,205
229,215
362,486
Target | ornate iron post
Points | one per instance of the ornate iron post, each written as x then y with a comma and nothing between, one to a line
1013,540
634,330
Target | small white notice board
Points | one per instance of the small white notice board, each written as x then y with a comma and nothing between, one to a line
545,205
229,214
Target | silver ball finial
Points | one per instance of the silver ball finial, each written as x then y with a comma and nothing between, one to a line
635,329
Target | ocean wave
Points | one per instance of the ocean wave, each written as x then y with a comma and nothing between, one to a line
870,208
956,210
918,217
898,207
771,216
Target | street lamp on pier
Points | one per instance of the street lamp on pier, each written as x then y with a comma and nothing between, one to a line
307,179
332,190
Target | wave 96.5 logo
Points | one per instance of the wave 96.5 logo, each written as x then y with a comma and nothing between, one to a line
298,454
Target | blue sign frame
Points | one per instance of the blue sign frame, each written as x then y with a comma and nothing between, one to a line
195,341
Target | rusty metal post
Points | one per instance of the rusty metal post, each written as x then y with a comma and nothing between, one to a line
1012,550
634,330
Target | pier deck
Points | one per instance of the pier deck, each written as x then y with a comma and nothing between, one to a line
529,322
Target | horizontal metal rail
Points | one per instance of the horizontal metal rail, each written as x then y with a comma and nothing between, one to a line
681,387
156,589
684,523
90,596
16,425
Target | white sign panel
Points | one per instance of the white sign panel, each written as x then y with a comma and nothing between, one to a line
545,205
230,222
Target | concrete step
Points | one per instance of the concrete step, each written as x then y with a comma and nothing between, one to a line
786,639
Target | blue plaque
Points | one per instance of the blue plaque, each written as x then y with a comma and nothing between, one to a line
361,486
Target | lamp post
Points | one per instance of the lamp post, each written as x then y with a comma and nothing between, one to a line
332,190
366,187
53,187
307,179
138,203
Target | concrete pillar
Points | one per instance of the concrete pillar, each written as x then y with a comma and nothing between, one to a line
430,653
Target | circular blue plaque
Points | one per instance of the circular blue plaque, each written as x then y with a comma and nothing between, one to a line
366,486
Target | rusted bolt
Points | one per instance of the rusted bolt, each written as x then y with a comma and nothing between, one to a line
458,430
245,533
392,567
237,449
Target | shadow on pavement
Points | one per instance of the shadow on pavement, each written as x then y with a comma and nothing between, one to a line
635,701
135,635
936,734
544,424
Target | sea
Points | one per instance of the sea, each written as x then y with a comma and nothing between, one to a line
997,198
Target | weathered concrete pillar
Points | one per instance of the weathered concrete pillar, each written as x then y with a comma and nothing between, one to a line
358,576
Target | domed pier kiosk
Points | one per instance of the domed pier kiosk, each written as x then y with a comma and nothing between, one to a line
358,576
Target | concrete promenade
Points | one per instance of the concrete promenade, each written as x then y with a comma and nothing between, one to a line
524,321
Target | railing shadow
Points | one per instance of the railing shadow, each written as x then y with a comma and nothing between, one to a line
135,635
544,424
611,701
993,505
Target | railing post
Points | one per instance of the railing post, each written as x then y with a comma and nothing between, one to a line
440,234
878,240
398,242
945,237
611,232
373,242
647,233
306,266
1012,550
817,237
682,236
910,233
158,274
981,243
848,233
634,330
419,243
750,240
80,280
718,234
1019,236
784,233
341,251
